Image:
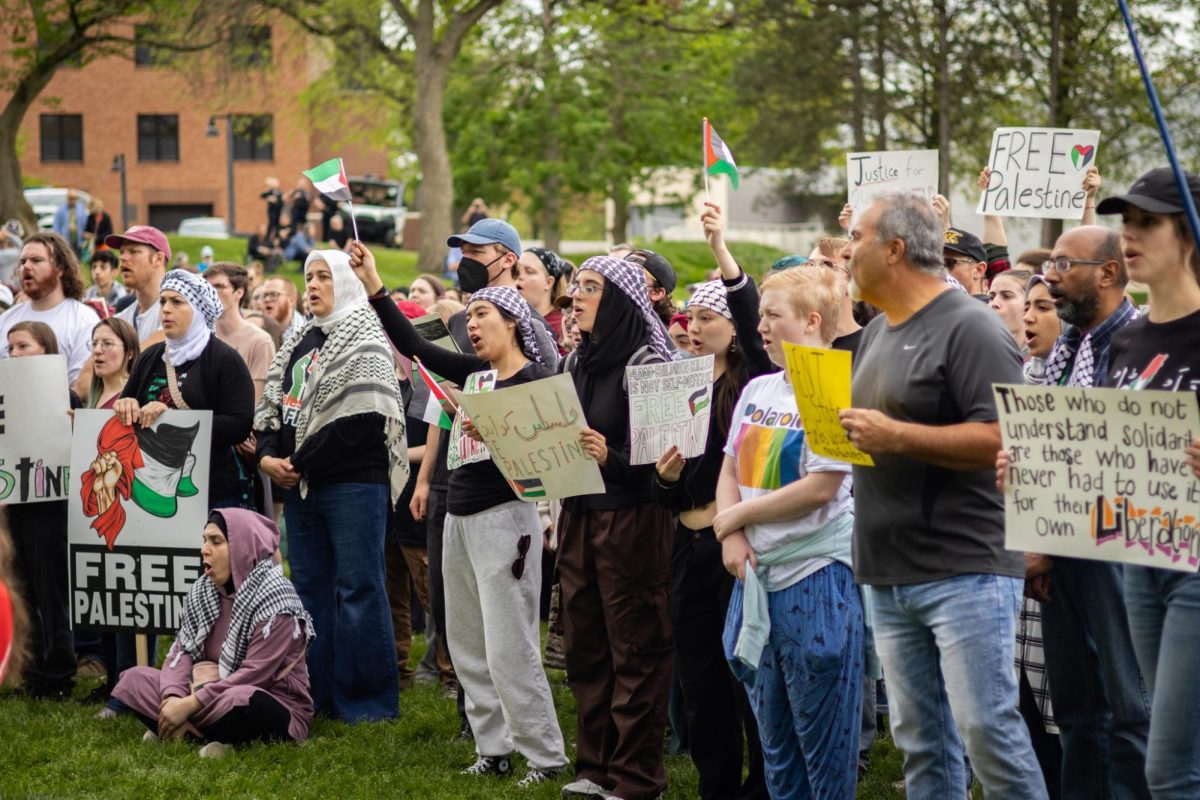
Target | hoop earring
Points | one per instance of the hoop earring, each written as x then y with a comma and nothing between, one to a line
733,345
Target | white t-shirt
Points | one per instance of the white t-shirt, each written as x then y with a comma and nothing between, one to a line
147,322
767,444
71,321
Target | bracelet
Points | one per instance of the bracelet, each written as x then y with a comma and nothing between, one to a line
379,293
659,480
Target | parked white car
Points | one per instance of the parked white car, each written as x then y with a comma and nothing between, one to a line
48,199
204,228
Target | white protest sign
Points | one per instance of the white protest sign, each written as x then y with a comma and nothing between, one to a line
871,174
532,431
35,429
669,404
464,449
135,517
1038,172
1100,474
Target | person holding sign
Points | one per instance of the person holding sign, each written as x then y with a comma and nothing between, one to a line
236,672
330,431
794,629
929,526
614,550
1162,351
492,580
722,322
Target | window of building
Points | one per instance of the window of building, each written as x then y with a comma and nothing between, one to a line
62,137
146,54
253,137
158,137
251,46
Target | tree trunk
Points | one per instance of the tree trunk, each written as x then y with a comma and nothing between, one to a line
1064,38
429,143
881,107
858,108
12,197
620,226
551,216
945,101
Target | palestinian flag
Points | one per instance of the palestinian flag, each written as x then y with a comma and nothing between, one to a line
434,413
329,179
167,468
717,158
529,488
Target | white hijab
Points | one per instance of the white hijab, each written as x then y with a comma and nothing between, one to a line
348,291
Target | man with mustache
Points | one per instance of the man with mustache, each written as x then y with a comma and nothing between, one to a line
1100,701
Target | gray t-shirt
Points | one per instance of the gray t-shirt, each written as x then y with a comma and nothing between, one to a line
916,522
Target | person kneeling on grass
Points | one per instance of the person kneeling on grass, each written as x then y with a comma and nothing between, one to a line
236,672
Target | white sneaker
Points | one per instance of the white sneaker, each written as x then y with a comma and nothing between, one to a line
584,788
215,750
149,736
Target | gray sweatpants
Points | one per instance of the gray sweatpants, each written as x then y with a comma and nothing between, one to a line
492,631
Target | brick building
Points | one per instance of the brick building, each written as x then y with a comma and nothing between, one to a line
155,109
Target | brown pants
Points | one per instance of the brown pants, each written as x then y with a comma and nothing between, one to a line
403,563
614,567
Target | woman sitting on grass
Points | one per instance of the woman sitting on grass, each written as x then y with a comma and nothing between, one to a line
236,671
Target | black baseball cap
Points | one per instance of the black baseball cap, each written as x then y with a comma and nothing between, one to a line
965,243
1155,192
657,266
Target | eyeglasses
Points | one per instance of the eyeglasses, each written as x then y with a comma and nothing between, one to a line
106,345
584,289
518,566
826,263
271,295
1062,265
950,262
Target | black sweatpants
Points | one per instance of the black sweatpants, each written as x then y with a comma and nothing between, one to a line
39,533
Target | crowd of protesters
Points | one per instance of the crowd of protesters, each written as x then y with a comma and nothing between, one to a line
758,599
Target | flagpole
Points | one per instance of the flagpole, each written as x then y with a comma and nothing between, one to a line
704,155
353,221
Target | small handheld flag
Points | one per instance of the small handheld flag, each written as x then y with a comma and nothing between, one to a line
434,413
717,158
329,178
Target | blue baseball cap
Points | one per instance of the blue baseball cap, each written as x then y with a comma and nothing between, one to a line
489,231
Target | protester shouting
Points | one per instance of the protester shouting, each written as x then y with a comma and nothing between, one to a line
330,431
491,564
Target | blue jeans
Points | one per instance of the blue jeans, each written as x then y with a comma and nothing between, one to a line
1100,702
1164,618
947,652
807,690
337,568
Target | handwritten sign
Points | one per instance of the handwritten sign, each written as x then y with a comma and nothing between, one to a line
1100,474
1038,172
532,431
135,515
669,404
464,449
872,174
821,380
35,429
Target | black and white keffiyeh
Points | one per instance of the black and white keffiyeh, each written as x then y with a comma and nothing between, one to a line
206,307
713,296
263,595
509,301
629,279
1081,359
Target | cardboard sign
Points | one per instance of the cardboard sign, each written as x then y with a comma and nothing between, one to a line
35,429
464,449
532,431
669,404
1100,474
1038,172
135,518
821,380
872,174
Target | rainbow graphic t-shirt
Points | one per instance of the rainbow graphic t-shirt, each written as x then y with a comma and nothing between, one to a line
767,444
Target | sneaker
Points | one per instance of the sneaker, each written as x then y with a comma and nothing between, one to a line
215,750
108,712
536,776
149,736
490,765
465,734
90,667
450,690
584,788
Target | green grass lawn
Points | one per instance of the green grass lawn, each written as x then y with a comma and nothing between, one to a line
58,750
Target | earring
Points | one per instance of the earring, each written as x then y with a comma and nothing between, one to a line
733,345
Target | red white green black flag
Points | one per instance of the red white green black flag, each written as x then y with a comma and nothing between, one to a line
717,158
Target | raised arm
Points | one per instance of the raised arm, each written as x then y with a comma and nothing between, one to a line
993,226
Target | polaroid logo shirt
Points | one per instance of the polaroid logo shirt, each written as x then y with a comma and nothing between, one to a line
767,443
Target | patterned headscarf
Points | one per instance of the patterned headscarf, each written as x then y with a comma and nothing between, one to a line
513,306
550,260
628,278
711,295
206,307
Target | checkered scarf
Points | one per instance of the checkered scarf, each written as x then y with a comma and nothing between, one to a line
1083,358
206,307
712,295
514,306
628,278
263,595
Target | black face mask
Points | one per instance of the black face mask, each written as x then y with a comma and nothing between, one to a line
473,275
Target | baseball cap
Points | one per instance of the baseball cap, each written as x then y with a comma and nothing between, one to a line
656,265
141,234
1155,192
206,252
488,231
410,309
6,297
965,243
787,262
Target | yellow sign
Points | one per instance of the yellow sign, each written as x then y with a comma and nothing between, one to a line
821,380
